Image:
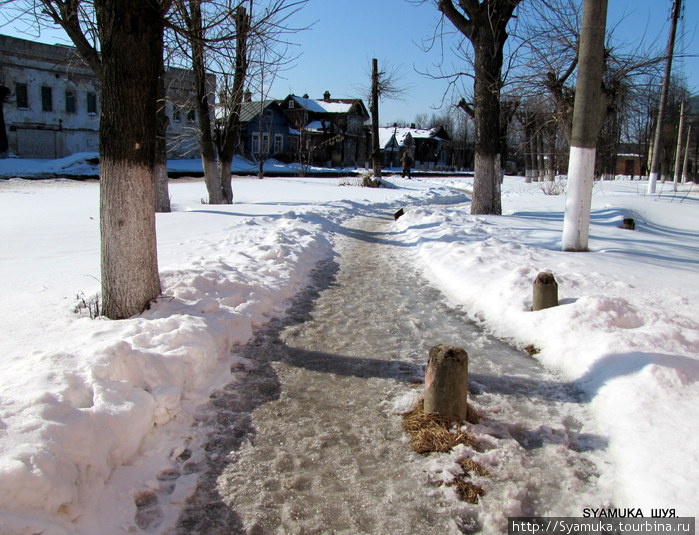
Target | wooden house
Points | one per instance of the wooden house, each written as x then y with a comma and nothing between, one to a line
265,131
330,131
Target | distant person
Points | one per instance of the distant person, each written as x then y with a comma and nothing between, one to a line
407,163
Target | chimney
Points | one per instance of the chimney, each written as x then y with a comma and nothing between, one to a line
326,95
412,126
247,97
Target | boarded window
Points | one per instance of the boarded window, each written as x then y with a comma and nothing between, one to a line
92,103
22,96
46,98
70,101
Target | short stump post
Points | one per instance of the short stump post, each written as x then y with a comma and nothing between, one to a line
446,382
628,223
545,291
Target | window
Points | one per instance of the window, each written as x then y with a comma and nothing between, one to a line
291,103
265,143
22,96
92,103
255,148
278,143
294,144
192,116
70,101
176,115
46,98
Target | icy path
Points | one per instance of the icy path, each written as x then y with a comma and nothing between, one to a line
307,439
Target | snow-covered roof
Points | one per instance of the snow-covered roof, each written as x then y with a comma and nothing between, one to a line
325,106
403,133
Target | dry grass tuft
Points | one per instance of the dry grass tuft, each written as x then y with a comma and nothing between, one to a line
468,491
430,433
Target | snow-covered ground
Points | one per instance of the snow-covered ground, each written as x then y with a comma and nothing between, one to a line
92,409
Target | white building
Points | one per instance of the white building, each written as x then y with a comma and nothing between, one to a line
53,105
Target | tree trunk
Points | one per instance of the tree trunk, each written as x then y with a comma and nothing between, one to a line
375,146
686,154
225,161
212,179
4,145
230,135
540,162
131,36
486,88
162,193
586,126
678,152
528,150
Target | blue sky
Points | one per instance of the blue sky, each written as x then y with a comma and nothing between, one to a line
336,53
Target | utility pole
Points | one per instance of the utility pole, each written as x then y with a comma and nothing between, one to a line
375,150
655,157
586,126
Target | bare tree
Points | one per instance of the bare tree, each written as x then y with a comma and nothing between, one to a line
192,21
484,24
551,37
233,40
127,45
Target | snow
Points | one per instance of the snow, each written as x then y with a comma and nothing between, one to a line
92,409
626,331
325,106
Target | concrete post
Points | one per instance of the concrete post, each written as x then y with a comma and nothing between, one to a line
545,291
446,382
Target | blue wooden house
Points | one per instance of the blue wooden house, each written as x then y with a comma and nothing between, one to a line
265,131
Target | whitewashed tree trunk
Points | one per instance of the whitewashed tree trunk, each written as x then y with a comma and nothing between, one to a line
678,153
586,125
685,165
576,223
131,35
